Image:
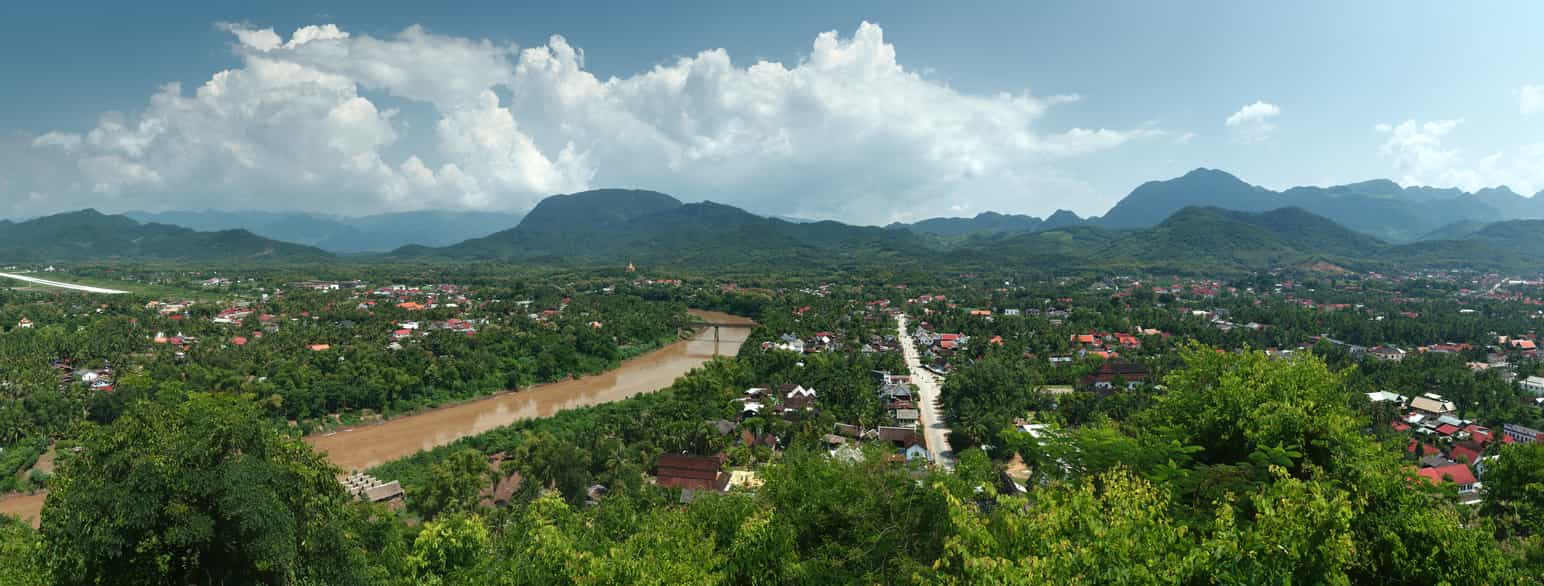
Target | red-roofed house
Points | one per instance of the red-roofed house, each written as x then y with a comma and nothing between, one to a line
1430,449
1456,473
691,472
1481,435
1464,454
239,341
1105,378
1447,429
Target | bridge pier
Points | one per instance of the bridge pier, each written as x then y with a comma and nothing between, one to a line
717,326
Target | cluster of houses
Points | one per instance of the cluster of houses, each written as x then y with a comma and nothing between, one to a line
936,348
1220,318
174,309
326,285
786,400
902,443
697,473
547,313
1525,346
1107,345
417,298
819,342
233,315
899,399
1448,448
98,379
903,439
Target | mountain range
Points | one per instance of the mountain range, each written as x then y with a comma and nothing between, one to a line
989,223
1206,220
1380,207
624,224
373,233
91,235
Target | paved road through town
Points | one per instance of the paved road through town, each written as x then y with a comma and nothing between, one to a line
934,433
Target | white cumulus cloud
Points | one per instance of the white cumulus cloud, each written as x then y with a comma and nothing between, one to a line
846,132
1530,99
1253,122
1419,157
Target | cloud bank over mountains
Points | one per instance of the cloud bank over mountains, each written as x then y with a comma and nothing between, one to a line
323,120
1420,157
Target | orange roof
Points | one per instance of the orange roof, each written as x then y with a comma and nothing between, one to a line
320,347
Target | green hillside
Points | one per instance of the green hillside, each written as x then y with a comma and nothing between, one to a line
91,235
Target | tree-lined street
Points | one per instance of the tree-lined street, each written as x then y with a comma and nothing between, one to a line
934,431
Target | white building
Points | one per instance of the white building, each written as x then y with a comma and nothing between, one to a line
1387,397
1534,384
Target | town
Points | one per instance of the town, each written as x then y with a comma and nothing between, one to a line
1010,386
684,293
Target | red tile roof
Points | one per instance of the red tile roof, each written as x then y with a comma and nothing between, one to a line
1480,434
1464,454
1459,473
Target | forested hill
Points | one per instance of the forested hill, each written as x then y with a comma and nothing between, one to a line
91,235
634,225
1202,239
372,233
1379,208
620,226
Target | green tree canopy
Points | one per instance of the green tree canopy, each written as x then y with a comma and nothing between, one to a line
204,491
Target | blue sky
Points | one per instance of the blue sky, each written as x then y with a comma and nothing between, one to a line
929,109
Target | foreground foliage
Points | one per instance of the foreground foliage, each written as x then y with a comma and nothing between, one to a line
1246,470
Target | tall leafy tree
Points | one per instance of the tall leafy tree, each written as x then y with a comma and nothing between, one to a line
204,491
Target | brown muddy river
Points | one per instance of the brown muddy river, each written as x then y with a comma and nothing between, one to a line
366,446
362,447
